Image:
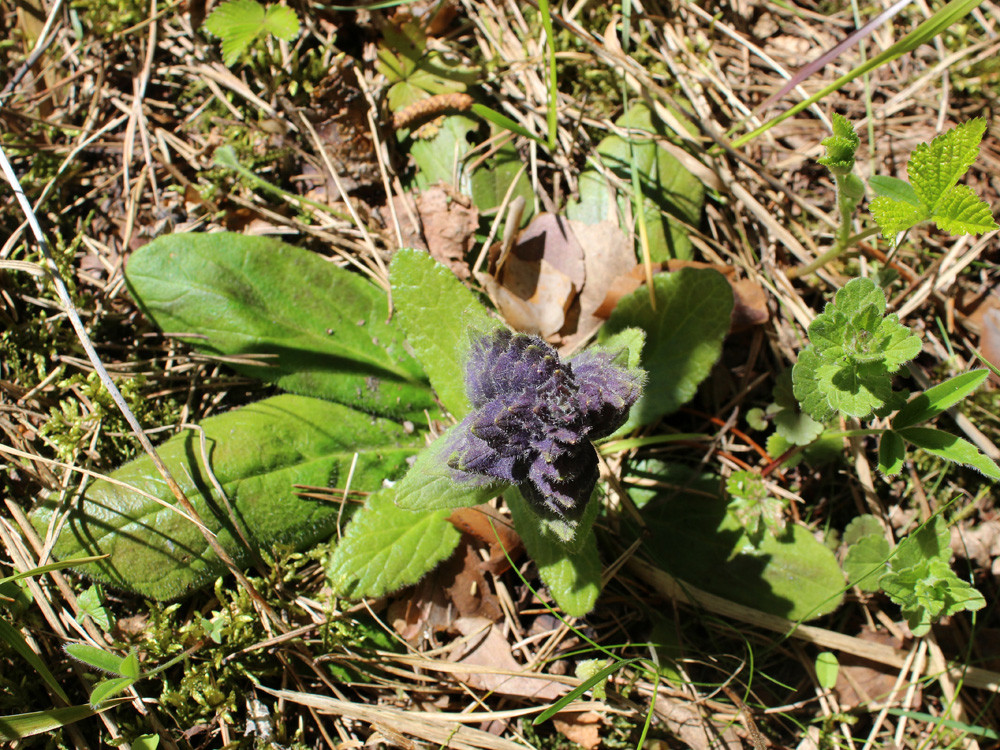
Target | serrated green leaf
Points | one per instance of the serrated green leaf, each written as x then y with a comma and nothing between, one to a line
438,159
237,23
95,657
573,578
90,605
108,688
430,484
281,21
895,188
941,397
320,330
952,448
865,562
827,668
894,216
807,388
841,146
891,453
960,211
937,166
386,548
258,453
683,336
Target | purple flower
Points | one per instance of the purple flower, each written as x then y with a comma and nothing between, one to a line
534,416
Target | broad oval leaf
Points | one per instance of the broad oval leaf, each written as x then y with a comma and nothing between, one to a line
320,330
827,667
891,453
952,448
935,400
386,548
684,336
258,453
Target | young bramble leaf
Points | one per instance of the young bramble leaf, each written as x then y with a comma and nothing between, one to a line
891,453
386,548
935,167
960,211
950,447
894,216
240,23
841,146
895,188
935,400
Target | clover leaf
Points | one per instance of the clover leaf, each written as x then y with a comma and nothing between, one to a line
854,351
933,193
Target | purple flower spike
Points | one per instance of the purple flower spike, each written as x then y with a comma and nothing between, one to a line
534,416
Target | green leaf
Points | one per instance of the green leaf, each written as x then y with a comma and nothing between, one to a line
386,548
129,666
320,329
258,453
840,147
790,421
437,312
862,526
439,159
894,188
430,483
937,166
108,688
146,742
827,668
597,200
240,23
38,722
693,537
891,453
12,636
573,578
683,336
866,560
491,182
951,448
960,211
90,604
95,657
894,216
941,397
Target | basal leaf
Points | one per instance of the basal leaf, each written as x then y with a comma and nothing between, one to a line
597,200
891,453
866,562
937,166
894,188
960,211
386,548
491,182
437,310
935,400
438,159
258,453
950,447
573,578
894,216
319,330
683,336
431,484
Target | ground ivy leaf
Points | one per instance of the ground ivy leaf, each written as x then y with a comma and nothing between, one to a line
935,400
437,310
895,188
806,386
960,211
573,577
952,448
431,484
258,453
865,562
386,548
790,421
891,453
862,526
935,167
683,336
894,216
321,330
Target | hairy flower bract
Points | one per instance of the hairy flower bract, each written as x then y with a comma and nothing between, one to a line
534,416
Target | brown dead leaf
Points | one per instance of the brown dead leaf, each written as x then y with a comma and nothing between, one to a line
861,681
582,728
489,648
485,524
446,222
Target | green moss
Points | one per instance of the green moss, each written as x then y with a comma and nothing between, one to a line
108,18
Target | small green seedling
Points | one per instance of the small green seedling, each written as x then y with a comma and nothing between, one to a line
758,512
242,23
917,575
932,194
125,670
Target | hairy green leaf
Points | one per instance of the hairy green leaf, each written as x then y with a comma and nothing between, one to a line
684,336
935,400
258,453
386,548
107,688
960,211
573,577
862,526
840,147
929,590
790,421
937,166
438,332
952,448
319,330
891,453
96,657
894,216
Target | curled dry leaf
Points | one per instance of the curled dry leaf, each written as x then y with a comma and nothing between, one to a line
440,220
